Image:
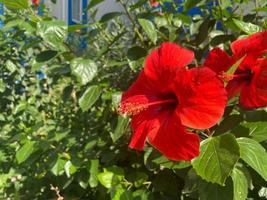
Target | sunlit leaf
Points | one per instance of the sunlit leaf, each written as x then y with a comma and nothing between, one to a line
217,159
254,155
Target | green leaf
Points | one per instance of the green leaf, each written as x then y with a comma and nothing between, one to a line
109,16
122,125
111,177
58,168
69,168
45,56
204,30
89,97
164,162
119,193
93,170
105,178
16,4
261,3
254,155
255,130
20,23
84,69
149,29
240,184
247,27
217,159
136,52
234,67
11,66
76,27
209,191
2,86
25,151
192,3
225,3
53,33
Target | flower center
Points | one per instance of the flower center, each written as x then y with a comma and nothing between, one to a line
130,108
245,75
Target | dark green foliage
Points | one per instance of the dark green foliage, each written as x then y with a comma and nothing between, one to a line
58,108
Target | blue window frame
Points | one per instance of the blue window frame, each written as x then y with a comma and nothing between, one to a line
77,12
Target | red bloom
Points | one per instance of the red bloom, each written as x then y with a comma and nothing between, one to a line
35,2
154,3
166,97
249,79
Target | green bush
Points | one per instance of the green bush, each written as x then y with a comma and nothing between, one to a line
60,131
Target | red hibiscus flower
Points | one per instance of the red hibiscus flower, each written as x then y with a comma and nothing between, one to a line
249,79
154,3
35,2
167,97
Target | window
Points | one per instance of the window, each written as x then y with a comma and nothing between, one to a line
77,9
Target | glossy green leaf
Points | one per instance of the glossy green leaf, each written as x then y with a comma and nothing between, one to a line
119,193
16,4
25,151
59,167
84,69
254,130
2,86
254,155
89,97
122,125
105,178
149,29
93,170
226,3
69,168
45,56
11,66
111,177
240,184
53,33
217,159
164,162
247,27
234,67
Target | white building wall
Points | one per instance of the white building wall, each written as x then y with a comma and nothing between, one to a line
106,7
58,10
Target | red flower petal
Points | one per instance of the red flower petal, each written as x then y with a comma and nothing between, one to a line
202,98
254,94
172,140
141,92
218,60
163,62
142,124
255,44
35,2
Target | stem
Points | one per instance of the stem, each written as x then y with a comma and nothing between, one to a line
127,13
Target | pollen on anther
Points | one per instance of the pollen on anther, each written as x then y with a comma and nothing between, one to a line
226,77
131,109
